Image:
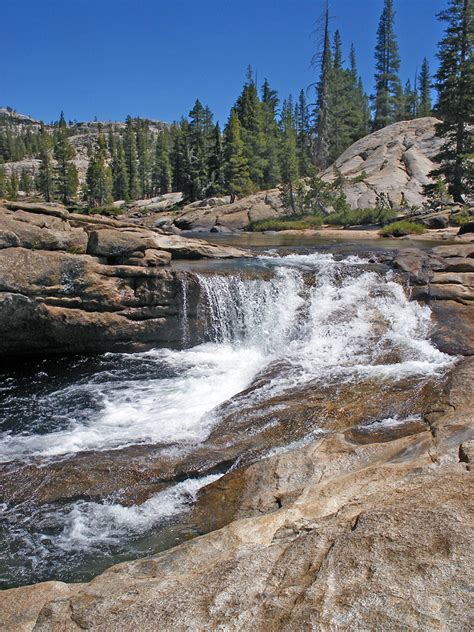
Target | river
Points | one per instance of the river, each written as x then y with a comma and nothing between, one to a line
276,325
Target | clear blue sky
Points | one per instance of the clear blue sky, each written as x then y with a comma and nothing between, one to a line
153,58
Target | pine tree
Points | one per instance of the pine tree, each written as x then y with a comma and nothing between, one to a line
398,104
424,106
360,101
180,155
120,178
199,144
112,141
237,174
322,114
99,176
3,179
303,135
342,104
288,154
130,147
387,100
12,187
3,145
455,85
337,52
269,105
410,102
143,156
162,175
45,180
66,178
216,165
26,182
249,111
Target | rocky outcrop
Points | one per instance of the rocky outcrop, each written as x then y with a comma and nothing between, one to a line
74,283
444,276
367,526
391,165
338,534
157,204
219,212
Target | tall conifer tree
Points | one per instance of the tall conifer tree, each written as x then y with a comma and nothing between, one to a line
359,100
236,169
289,155
45,180
216,164
455,85
66,177
271,174
3,179
13,186
162,175
322,114
99,176
120,178
26,182
303,135
410,102
131,157
249,111
424,106
143,156
180,155
388,92
199,144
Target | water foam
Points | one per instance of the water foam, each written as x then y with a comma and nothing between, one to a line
89,525
52,537
317,318
151,410
307,319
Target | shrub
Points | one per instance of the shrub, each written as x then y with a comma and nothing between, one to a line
437,193
362,216
400,229
286,223
460,218
109,211
313,196
362,177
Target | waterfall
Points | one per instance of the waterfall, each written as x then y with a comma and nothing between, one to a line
322,317
311,316
273,326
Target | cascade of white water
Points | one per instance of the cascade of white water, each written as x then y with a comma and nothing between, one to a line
319,319
304,319
323,318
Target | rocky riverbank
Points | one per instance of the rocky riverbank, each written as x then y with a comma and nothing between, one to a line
345,506
72,283
368,530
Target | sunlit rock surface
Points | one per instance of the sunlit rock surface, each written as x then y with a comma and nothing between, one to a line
72,283
338,535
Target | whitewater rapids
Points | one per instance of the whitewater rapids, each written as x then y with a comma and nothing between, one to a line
311,317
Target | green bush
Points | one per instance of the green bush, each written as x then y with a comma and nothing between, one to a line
109,211
362,216
286,223
460,218
437,193
400,229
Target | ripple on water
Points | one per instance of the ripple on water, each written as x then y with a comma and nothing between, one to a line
312,320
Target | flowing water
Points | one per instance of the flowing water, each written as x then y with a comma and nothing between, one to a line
312,317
